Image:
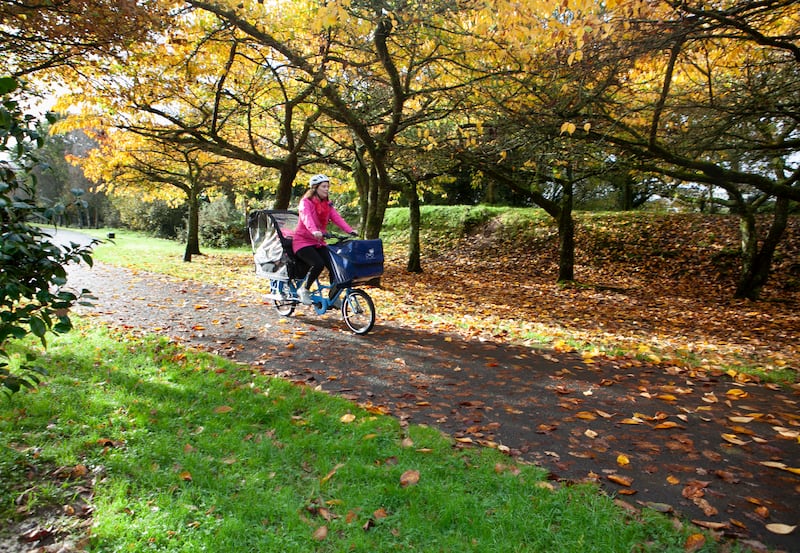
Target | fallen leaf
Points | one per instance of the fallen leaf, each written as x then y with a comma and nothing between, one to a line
321,533
693,543
223,409
331,473
621,480
736,393
409,478
667,424
708,509
782,529
623,460
711,525
380,513
348,418
659,507
732,438
36,533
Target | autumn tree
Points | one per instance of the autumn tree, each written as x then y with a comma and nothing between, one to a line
689,91
246,105
377,70
707,93
37,37
127,163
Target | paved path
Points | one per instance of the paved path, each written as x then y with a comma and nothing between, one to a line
691,444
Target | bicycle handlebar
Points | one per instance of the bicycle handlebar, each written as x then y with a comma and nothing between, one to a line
338,237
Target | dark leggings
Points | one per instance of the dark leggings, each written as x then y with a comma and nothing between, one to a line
317,259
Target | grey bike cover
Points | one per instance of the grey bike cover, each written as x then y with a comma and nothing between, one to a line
270,238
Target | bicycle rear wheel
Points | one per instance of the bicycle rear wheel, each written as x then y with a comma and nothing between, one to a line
358,311
285,305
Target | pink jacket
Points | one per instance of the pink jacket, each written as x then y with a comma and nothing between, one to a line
315,214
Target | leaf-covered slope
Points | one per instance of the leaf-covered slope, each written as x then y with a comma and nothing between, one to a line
657,285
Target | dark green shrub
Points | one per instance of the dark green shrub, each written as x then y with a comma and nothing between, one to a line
33,299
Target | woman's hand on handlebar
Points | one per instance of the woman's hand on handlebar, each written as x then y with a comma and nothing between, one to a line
339,237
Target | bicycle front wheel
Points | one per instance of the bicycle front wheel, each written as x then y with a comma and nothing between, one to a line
358,311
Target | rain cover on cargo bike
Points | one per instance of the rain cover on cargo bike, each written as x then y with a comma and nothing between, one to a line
353,261
271,239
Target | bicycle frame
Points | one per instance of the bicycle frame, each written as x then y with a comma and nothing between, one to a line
320,300
357,307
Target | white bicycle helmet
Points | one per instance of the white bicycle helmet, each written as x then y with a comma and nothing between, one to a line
317,179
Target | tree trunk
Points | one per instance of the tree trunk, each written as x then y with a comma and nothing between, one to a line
757,264
566,234
414,218
361,177
283,195
625,183
193,226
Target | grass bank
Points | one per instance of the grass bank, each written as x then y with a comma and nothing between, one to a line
137,445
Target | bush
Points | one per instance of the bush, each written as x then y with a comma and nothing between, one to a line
159,218
32,297
222,225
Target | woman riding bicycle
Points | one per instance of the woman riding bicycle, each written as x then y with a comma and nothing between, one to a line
308,241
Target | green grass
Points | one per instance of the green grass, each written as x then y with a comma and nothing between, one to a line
191,452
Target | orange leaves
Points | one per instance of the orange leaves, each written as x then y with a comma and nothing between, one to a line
734,439
693,543
780,466
409,478
694,490
621,480
330,475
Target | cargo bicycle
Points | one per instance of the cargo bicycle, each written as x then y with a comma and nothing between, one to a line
353,262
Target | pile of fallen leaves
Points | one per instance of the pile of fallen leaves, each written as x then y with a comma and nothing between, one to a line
657,287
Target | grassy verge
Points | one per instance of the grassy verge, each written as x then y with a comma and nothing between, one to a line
189,452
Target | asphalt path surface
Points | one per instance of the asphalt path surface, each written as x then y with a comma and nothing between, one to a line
698,446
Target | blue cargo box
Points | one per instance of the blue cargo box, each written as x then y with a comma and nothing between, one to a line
358,260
